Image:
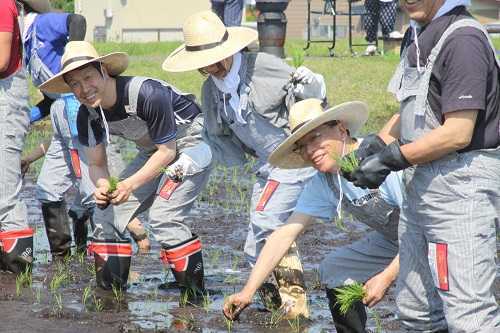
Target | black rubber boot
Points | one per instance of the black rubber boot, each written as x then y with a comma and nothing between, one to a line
354,321
112,262
186,262
16,250
80,230
57,228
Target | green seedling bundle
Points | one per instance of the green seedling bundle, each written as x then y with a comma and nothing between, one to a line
113,183
348,295
348,163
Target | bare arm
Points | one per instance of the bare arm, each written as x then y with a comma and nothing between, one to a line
277,245
377,286
5,47
161,158
454,134
391,129
34,156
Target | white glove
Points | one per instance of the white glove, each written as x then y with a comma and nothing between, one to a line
191,161
308,84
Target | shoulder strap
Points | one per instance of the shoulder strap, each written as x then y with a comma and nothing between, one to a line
135,87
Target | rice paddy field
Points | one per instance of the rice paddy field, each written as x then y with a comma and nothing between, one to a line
62,296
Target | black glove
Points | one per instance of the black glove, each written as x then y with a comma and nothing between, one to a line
374,169
370,145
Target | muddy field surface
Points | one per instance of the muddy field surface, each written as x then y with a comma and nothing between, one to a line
61,296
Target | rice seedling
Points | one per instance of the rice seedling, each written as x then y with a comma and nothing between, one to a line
99,306
206,302
277,315
184,298
347,163
234,262
58,280
184,323
295,324
340,224
86,295
229,323
378,321
348,295
57,304
23,280
80,257
117,294
113,183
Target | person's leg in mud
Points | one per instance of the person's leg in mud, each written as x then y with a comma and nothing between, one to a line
111,248
16,238
461,238
357,262
418,303
274,198
181,249
54,180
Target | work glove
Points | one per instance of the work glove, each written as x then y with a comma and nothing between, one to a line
373,170
308,84
370,145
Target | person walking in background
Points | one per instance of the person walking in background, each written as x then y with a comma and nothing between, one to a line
16,238
245,99
381,12
229,11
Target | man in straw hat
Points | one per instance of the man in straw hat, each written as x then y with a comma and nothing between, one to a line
446,138
245,100
166,126
16,238
319,138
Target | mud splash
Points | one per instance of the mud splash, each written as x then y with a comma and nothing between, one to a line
62,296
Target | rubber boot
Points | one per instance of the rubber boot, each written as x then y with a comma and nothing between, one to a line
80,230
112,262
289,276
186,262
16,250
57,228
354,321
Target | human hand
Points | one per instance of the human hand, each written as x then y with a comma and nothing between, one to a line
370,145
25,165
375,289
122,193
101,195
236,303
303,75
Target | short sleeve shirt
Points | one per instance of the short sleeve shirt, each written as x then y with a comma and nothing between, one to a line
159,106
9,23
52,35
465,75
319,200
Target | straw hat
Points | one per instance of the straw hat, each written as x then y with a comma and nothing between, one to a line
307,115
39,6
207,41
78,54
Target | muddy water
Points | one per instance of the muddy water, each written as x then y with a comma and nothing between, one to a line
63,298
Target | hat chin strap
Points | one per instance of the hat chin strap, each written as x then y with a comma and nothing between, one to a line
341,192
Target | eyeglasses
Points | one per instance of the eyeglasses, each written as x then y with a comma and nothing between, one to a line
299,148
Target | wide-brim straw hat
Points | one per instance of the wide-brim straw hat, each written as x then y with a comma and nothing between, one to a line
307,115
39,6
78,54
206,42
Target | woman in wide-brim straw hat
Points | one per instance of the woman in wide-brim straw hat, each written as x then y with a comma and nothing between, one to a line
245,100
169,171
320,138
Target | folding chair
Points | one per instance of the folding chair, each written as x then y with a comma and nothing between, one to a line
330,8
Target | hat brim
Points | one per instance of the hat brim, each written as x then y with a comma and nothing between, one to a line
181,60
352,114
115,63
